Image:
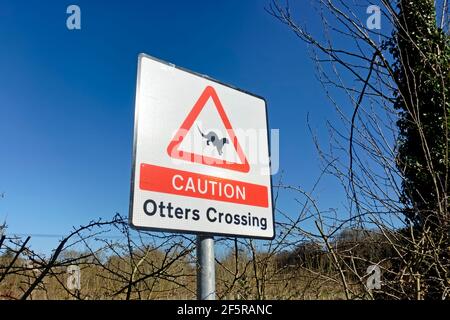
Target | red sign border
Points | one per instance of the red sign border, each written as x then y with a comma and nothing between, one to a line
174,152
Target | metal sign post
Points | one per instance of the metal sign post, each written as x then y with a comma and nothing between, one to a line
206,273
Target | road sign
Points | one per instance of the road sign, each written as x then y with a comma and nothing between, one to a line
200,158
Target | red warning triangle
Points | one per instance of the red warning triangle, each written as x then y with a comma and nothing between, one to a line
173,148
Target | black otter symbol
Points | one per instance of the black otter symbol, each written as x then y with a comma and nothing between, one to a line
213,138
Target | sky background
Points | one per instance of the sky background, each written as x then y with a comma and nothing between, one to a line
67,99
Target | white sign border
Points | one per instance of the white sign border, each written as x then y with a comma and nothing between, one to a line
133,165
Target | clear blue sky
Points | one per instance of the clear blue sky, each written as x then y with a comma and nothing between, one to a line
67,97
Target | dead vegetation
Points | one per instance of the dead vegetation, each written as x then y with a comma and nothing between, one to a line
142,265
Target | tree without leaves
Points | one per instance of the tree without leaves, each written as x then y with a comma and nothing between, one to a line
391,161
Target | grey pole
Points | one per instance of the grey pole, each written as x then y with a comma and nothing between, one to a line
206,274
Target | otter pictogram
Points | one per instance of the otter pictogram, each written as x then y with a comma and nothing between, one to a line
213,138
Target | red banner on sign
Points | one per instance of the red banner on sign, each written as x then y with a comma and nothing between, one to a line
190,184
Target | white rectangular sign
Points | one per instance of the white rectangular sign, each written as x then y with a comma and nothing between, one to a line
201,155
